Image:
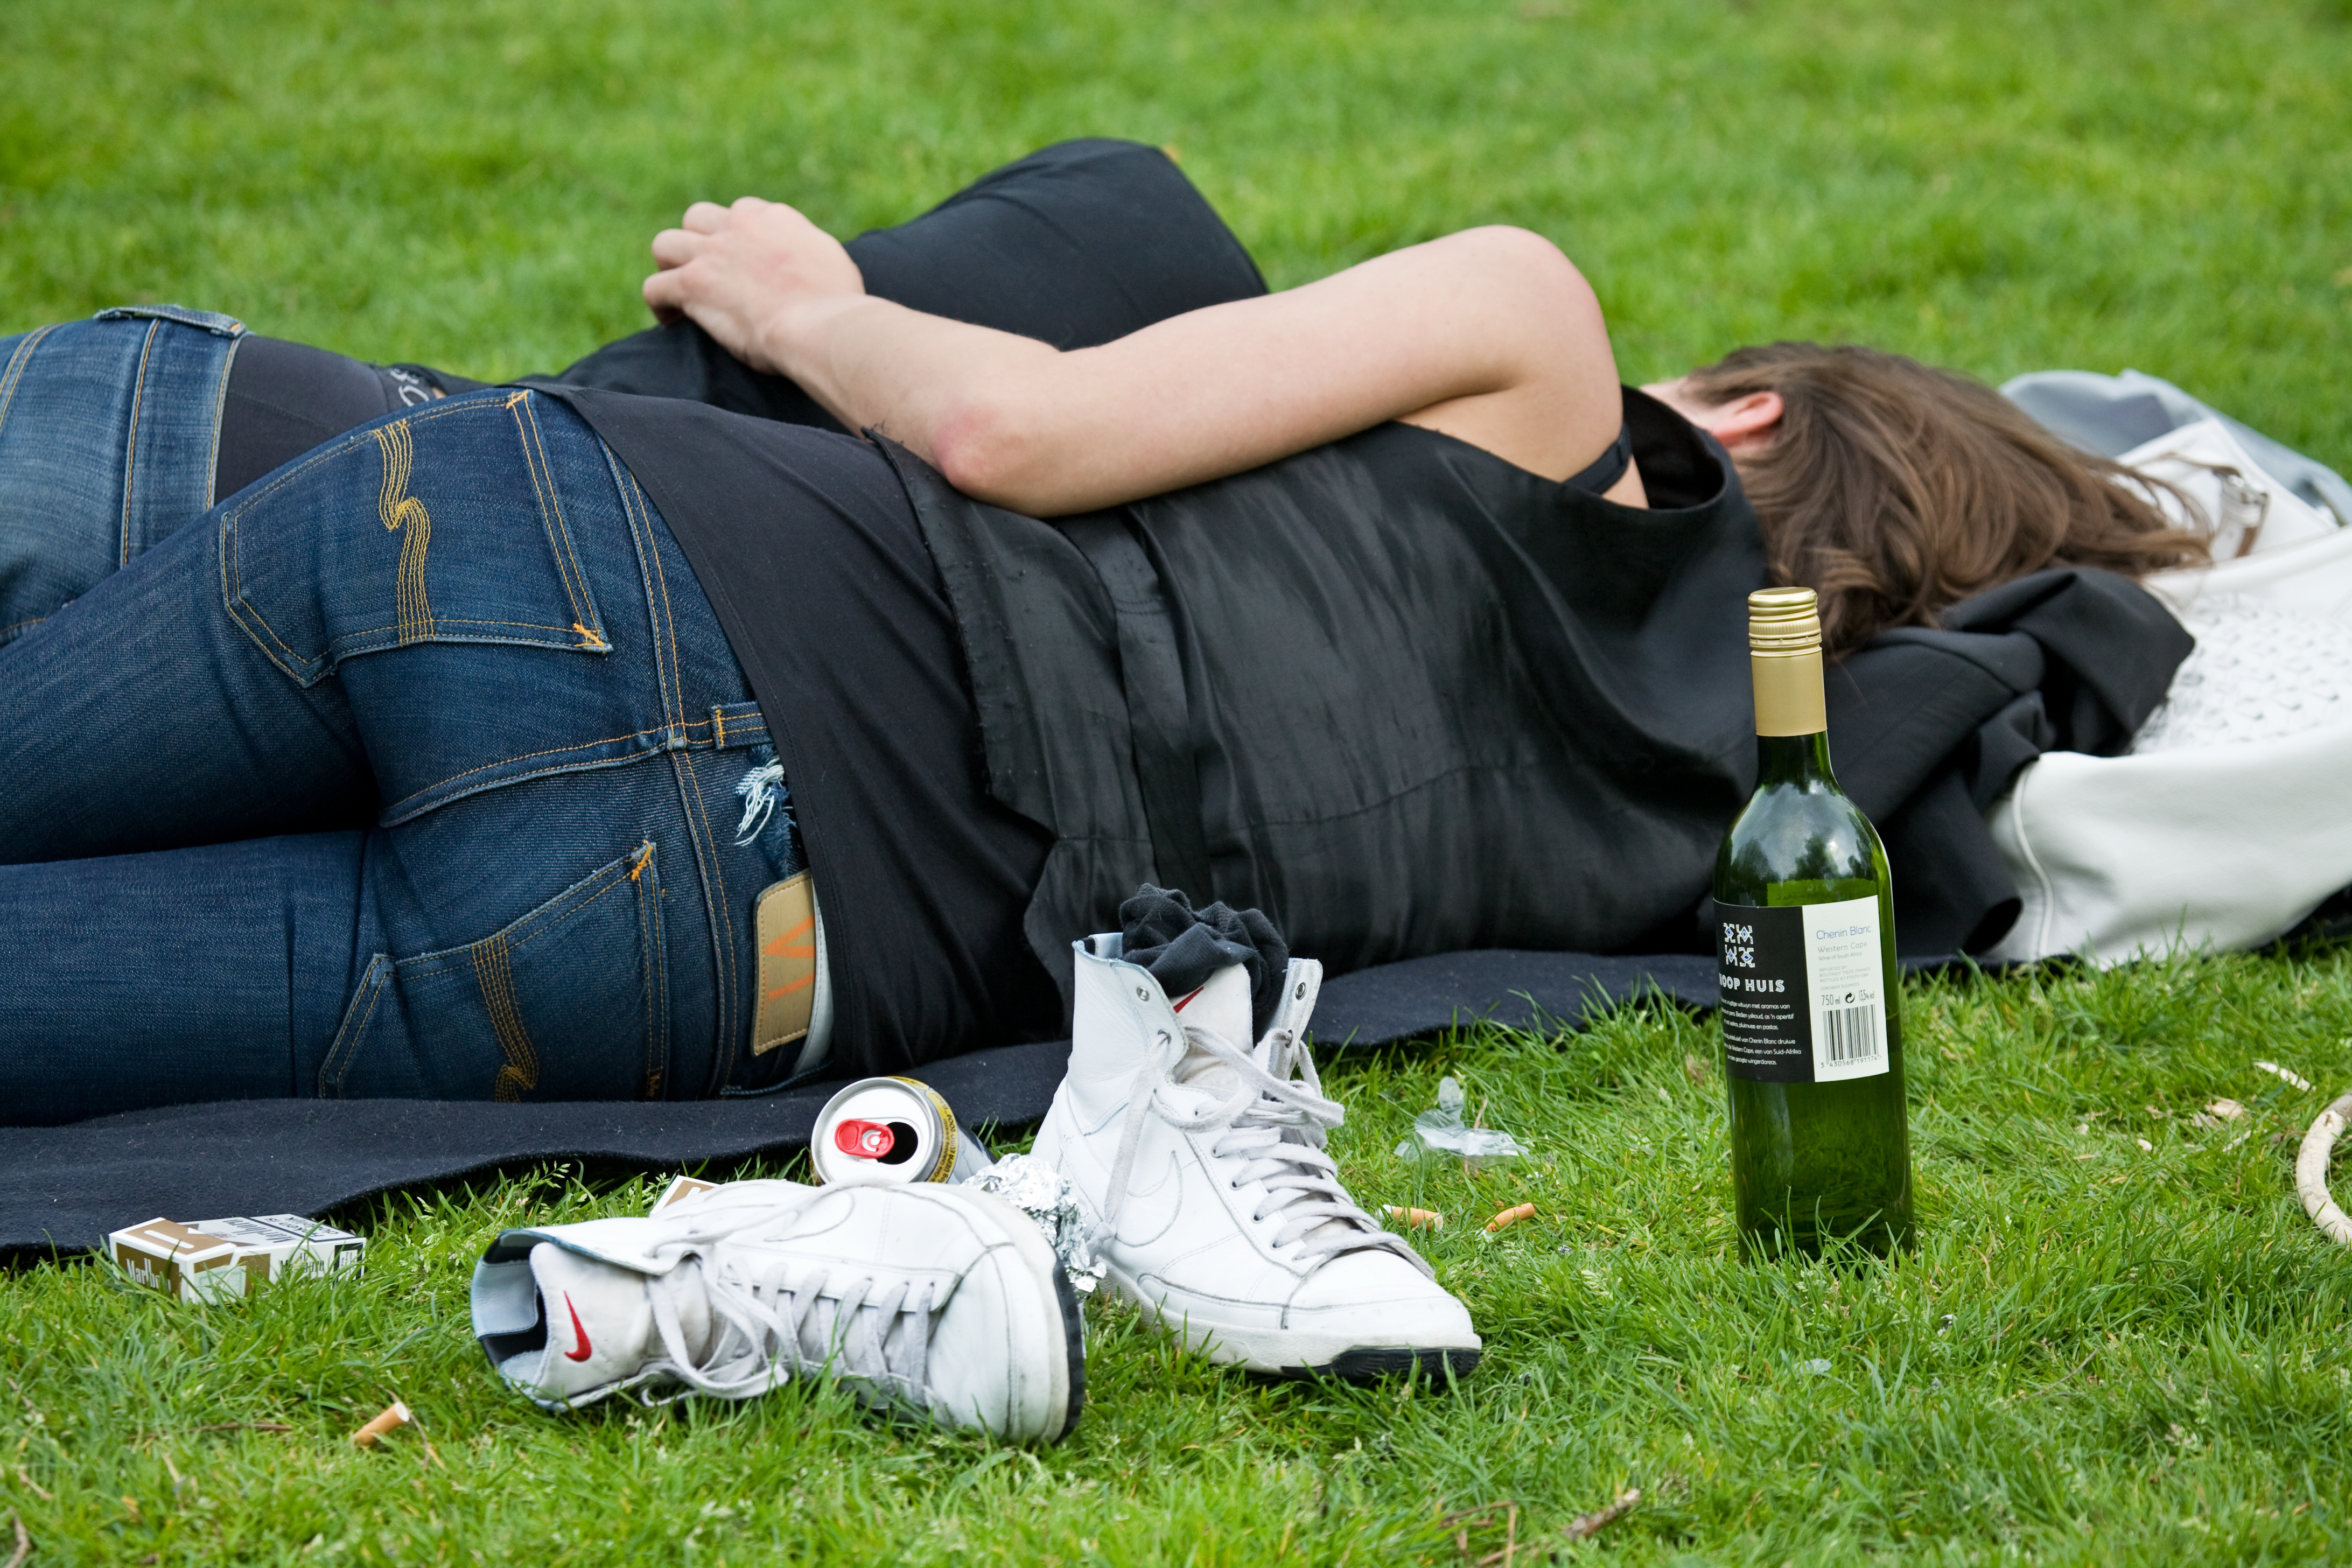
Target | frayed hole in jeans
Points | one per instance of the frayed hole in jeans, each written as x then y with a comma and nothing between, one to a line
762,790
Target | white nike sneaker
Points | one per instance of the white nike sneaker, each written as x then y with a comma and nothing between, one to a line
938,1302
1203,1163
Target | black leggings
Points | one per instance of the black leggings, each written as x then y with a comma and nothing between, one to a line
1075,245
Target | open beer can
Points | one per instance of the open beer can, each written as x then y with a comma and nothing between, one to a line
884,1132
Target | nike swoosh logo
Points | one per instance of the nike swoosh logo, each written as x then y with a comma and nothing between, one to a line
577,1332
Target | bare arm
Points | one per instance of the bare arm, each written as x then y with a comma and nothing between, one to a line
1490,335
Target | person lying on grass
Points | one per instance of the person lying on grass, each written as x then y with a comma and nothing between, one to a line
454,757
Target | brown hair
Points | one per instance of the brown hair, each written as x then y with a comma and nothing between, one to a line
1893,489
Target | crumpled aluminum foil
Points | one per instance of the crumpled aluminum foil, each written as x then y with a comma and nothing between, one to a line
1045,1196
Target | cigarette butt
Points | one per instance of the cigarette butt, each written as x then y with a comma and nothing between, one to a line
1512,1217
395,1415
1415,1219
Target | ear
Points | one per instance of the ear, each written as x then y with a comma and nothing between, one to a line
1746,421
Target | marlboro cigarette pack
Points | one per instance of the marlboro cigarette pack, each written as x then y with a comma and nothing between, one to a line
212,1259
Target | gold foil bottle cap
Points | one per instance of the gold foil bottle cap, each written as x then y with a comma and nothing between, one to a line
1784,646
1784,622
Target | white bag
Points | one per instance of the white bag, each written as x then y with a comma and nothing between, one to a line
2230,818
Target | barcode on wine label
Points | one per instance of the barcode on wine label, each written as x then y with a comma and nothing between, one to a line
1849,1033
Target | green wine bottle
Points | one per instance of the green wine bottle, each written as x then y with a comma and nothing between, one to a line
1812,1026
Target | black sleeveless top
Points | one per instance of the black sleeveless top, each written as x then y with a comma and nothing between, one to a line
1403,696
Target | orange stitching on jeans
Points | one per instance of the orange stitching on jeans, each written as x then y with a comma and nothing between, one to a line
232,588
404,809
743,725
669,615
449,962
641,543
442,408
526,756
233,599
533,461
395,508
588,639
523,931
521,1073
644,853
392,495
550,510
131,442
441,621
325,452
415,609
346,646
528,929
641,530
510,1023
561,529
329,450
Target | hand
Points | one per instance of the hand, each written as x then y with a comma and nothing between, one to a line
734,269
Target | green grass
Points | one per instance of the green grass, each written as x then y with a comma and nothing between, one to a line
2001,187
2100,1352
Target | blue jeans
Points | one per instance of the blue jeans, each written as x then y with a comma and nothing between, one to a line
410,770
108,430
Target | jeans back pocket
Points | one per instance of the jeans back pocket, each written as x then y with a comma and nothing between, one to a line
446,524
571,1002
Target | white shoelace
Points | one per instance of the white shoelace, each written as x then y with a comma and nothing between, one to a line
1276,1124
769,1331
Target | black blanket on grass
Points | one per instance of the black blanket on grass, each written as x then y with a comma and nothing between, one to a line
63,1188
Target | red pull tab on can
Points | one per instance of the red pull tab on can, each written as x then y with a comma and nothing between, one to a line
866,1140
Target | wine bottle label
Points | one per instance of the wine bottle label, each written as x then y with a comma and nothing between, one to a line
1803,993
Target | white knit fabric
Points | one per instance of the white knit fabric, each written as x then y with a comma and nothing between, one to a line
2258,673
